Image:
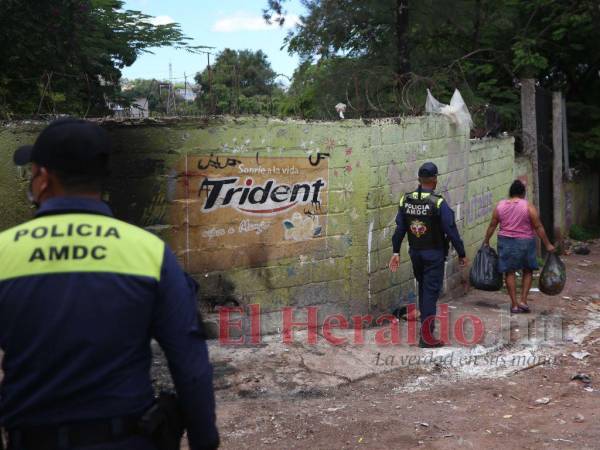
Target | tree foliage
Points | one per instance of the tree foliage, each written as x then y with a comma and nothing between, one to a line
366,89
131,90
65,55
483,47
239,82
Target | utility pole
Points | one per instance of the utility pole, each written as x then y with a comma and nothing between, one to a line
210,96
566,167
168,86
171,107
529,137
529,125
185,86
557,166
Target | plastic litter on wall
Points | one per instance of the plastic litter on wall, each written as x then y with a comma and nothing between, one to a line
456,111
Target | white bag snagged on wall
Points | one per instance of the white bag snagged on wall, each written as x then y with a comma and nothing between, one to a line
456,111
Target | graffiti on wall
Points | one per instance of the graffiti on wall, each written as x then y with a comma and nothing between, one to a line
250,204
480,205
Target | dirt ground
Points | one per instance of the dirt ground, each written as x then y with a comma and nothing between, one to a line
262,403
299,396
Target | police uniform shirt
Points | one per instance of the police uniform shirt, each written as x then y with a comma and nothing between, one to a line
81,296
448,226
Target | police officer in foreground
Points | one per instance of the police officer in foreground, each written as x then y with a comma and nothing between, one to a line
429,222
81,296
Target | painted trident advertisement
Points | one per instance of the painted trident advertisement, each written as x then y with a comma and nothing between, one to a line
242,211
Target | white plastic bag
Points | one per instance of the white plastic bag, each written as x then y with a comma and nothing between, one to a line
432,106
456,111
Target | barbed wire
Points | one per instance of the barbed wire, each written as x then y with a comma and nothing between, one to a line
367,92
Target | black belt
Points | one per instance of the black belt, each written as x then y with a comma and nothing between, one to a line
72,435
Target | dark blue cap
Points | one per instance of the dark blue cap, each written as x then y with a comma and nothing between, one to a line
428,170
69,145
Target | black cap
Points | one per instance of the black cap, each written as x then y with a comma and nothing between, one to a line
428,170
72,146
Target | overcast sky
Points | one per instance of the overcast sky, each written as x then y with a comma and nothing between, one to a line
235,24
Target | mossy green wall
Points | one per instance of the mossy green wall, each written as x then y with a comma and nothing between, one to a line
370,165
581,201
14,208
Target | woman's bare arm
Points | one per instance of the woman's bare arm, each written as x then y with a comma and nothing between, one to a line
492,226
539,228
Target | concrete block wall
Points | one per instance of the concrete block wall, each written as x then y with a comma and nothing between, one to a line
491,167
581,201
343,268
14,208
398,150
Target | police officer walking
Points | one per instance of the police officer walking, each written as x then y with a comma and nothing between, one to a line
81,296
430,223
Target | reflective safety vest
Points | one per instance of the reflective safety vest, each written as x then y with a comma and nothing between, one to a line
77,243
423,220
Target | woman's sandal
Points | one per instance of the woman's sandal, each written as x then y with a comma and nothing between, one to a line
516,310
524,308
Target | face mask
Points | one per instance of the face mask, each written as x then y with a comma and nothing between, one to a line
30,195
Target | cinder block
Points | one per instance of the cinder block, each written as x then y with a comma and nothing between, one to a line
340,180
338,224
338,201
392,134
341,157
443,128
381,280
318,293
412,130
376,137
337,246
386,301
359,277
330,269
374,177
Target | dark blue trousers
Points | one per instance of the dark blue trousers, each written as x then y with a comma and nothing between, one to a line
428,267
131,443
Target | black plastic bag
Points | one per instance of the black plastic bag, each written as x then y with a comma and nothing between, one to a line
554,275
484,273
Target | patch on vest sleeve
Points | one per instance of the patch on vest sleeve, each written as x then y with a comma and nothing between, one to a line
418,228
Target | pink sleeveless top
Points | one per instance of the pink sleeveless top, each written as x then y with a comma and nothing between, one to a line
514,219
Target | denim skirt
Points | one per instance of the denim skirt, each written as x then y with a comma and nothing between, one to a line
516,254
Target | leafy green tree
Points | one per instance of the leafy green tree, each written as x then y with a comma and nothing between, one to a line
367,90
373,29
238,82
483,47
67,55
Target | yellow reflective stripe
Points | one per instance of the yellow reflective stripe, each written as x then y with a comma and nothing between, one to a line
439,202
79,243
402,201
423,194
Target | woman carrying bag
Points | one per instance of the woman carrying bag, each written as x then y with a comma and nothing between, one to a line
519,223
